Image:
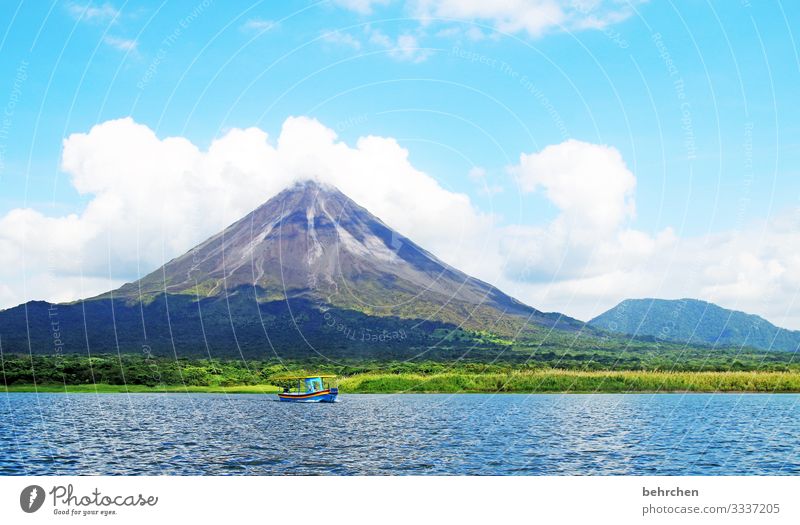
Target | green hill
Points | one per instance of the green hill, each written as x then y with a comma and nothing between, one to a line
695,322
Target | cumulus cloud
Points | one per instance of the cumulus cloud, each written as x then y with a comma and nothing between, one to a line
751,270
152,198
589,183
588,257
593,191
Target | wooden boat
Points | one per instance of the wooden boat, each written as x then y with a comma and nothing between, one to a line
308,389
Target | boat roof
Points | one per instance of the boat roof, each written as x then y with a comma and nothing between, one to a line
309,376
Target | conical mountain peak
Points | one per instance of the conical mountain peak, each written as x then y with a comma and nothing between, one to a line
311,241
308,190
307,273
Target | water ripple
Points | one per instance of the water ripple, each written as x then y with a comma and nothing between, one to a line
185,434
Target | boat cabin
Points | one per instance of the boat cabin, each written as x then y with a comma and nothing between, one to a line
308,388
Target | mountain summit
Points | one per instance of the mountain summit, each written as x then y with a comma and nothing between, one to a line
308,272
312,241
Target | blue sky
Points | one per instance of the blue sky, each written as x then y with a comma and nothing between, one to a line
699,98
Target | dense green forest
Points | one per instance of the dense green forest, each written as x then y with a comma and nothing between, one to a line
152,371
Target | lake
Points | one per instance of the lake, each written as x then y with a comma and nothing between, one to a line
508,434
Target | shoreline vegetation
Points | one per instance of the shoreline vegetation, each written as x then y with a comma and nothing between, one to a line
541,381
149,374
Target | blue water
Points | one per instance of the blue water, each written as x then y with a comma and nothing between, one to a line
400,434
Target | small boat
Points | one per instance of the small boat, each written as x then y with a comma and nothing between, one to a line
308,389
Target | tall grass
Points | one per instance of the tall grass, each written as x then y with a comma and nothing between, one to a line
575,381
490,382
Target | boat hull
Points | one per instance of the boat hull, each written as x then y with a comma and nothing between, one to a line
321,396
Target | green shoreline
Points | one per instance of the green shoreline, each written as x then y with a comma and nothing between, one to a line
529,381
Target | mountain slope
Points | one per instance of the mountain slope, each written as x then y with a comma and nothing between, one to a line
313,242
308,273
695,322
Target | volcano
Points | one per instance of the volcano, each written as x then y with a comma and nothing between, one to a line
309,272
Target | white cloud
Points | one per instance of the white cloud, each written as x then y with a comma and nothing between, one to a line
259,25
408,48
753,270
102,14
122,44
93,13
475,34
588,258
593,190
363,7
532,17
151,199
589,183
405,48
476,173
341,38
